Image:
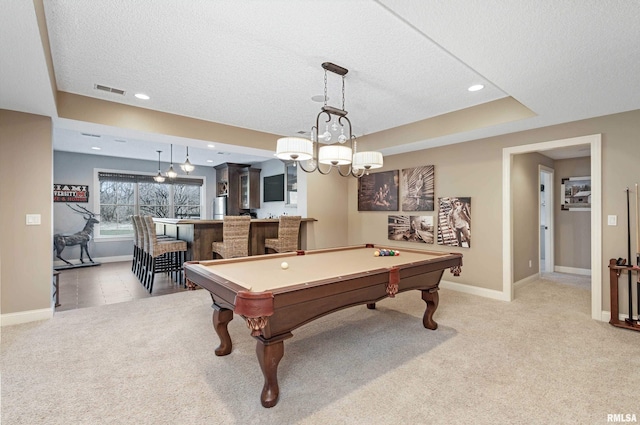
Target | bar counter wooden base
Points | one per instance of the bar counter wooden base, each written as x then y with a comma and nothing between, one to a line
614,273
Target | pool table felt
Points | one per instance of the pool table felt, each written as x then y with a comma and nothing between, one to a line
266,274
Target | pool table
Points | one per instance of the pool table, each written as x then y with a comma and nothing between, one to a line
275,300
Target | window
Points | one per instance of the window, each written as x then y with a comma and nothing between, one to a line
123,195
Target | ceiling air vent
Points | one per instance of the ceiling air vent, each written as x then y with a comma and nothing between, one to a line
108,89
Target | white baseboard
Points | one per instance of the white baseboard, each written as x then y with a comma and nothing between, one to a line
606,316
99,260
526,281
474,290
572,270
26,316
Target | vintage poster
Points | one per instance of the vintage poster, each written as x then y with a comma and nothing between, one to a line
70,193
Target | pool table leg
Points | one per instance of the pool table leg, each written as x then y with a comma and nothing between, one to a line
221,318
269,356
431,298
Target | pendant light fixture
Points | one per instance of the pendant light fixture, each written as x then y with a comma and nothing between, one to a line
322,148
187,167
171,172
159,178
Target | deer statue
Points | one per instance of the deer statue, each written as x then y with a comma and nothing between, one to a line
81,238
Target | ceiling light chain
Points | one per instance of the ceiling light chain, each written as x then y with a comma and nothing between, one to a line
343,108
326,98
310,152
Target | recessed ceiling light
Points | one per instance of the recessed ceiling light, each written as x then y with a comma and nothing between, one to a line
142,96
211,145
476,87
318,98
96,148
209,160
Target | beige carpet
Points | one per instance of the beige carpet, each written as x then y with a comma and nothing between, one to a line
537,360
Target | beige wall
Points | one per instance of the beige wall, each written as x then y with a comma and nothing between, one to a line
327,201
526,209
572,230
469,169
88,109
26,169
475,169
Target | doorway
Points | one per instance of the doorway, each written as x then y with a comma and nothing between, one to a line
595,145
545,219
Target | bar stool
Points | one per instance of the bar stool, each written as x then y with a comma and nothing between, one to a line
162,256
138,246
235,237
288,229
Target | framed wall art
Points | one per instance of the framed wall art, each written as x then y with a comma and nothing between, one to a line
454,222
417,188
576,194
70,192
414,228
378,191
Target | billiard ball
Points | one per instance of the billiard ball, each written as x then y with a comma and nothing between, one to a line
376,253
284,265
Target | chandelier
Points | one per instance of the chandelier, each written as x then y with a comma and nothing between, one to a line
336,146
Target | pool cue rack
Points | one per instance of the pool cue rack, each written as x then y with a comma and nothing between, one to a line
617,267
615,271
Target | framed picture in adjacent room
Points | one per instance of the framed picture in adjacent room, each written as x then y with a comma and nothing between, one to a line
576,194
418,188
378,191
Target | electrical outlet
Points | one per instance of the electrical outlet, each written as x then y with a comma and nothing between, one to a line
612,220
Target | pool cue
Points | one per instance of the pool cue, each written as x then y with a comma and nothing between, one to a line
637,239
637,258
629,263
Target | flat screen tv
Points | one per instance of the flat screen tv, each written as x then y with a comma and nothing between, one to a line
273,187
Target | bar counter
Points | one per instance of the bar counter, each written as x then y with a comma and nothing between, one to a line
199,234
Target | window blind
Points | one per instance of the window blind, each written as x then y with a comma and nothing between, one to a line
139,178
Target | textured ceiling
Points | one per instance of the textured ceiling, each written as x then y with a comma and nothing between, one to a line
256,64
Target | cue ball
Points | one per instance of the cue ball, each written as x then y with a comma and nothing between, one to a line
284,265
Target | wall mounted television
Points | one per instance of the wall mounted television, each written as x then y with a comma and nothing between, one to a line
273,188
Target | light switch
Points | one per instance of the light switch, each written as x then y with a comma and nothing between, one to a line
33,219
612,220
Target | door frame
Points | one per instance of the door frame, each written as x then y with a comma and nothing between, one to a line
595,143
548,198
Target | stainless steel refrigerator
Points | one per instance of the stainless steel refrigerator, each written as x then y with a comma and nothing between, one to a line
219,207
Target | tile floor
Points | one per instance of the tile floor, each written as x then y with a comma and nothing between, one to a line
107,283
